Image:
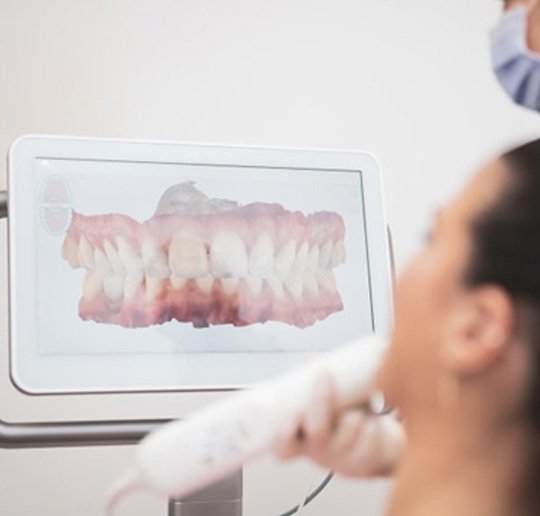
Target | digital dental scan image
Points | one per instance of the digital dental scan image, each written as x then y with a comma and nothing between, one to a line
207,261
176,275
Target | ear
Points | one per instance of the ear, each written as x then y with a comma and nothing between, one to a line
480,330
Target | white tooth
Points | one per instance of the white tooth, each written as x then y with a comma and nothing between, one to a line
114,287
294,285
131,286
130,259
339,254
327,280
114,259
261,257
311,286
177,283
102,265
300,263
154,259
86,254
277,287
254,284
285,259
313,259
205,284
92,285
187,256
229,285
325,255
70,251
154,286
228,256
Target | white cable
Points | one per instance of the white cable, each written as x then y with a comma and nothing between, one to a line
126,484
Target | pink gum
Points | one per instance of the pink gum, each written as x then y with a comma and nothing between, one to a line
190,304
248,221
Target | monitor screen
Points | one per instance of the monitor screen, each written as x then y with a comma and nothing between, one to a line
162,275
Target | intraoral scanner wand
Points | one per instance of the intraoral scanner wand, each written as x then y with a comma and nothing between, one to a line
184,456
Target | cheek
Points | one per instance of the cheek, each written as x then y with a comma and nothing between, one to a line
415,301
419,316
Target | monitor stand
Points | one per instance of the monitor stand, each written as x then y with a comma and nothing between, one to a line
223,498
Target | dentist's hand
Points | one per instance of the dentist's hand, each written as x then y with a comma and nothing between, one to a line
353,443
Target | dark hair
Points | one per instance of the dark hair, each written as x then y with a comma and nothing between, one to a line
506,249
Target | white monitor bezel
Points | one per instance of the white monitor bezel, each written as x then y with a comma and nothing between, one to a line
26,150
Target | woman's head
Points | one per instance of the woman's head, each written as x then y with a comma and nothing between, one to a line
468,306
506,253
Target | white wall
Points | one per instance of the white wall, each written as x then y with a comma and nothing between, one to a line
408,81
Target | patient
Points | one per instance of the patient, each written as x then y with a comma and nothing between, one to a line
464,363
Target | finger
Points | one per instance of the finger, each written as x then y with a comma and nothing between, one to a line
349,431
366,452
320,414
391,442
288,443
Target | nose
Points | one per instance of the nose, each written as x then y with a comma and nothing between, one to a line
509,4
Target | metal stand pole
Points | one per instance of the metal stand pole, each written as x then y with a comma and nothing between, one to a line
3,204
221,499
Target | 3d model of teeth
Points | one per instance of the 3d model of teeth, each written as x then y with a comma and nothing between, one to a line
207,261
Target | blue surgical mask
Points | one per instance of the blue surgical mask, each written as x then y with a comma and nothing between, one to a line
516,67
